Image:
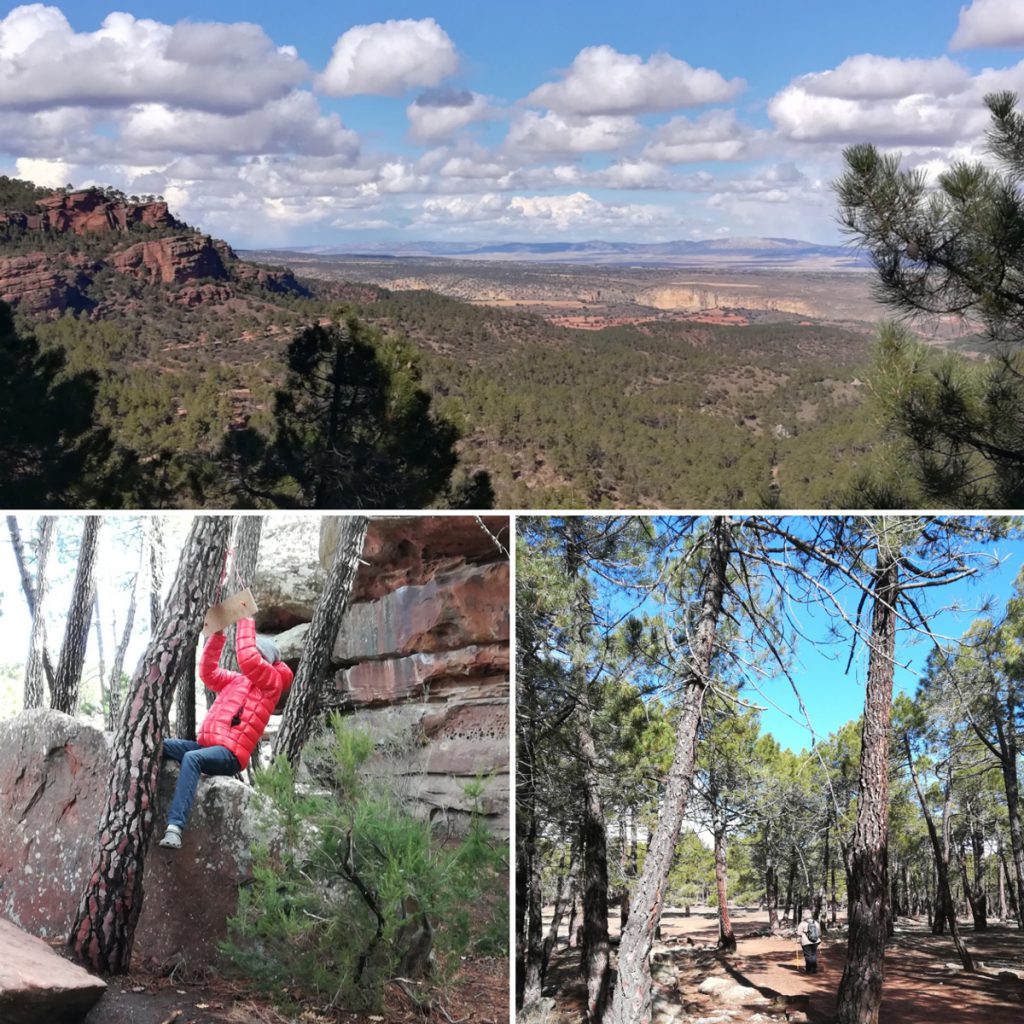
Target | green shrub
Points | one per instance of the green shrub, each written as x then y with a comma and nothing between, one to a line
354,883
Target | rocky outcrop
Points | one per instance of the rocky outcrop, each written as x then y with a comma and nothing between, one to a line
696,297
50,282
278,280
172,260
53,778
421,659
37,284
410,550
39,987
89,211
289,576
446,612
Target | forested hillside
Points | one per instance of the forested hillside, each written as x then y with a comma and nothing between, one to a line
646,415
187,354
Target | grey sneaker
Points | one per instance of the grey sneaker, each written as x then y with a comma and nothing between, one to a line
172,838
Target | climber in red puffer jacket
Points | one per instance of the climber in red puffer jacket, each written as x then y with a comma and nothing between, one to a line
235,723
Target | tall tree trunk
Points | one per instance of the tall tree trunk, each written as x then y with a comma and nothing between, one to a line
860,990
564,898
623,869
155,538
835,898
117,665
185,700
825,864
596,945
1011,785
771,885
68,677
790,883
631,1003
1011,893
594,844
303,705
941,857
530,969
975,892
104,929
38,664
97,623
726,937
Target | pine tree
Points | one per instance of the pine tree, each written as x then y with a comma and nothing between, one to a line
304,705
353,429
956,250
68,676
104,928
49,446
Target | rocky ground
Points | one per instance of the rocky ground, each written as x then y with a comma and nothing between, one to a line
478,995
764,980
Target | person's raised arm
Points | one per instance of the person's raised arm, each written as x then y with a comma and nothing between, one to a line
212,675
250,661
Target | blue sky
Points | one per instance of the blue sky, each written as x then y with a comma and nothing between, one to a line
833,694
274,124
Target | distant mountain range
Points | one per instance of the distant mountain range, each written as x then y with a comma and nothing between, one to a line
765,252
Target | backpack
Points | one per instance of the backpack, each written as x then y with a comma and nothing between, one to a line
813,935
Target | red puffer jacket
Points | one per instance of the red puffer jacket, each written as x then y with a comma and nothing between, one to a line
244,699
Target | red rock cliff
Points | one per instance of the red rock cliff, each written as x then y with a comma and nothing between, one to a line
90,212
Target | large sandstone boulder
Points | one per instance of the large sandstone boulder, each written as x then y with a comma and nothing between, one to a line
53,778
288,573
39,987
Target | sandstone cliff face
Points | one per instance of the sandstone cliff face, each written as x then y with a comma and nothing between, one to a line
47,283
171,260
37,285
694,298
89,212
422,657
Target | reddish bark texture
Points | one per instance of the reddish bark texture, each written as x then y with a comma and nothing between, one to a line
104,929
631,1002
304,698
67,679
860,991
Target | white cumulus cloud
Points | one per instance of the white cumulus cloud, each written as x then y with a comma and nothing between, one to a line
552,134
989,23
204,66
388,57
716,135
439,113
603,81
293,124
870,77
50,173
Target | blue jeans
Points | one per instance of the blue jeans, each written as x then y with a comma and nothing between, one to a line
194,760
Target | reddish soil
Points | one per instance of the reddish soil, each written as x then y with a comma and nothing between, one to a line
478,995
922,984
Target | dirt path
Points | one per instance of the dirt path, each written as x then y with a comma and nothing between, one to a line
922,984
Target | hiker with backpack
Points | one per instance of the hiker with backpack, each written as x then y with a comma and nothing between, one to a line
809,934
